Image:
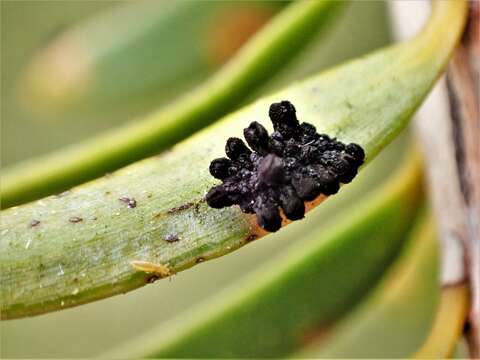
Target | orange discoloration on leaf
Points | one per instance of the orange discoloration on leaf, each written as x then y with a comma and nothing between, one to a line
256,231
232,28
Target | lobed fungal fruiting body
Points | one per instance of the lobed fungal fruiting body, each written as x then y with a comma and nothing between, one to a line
292,165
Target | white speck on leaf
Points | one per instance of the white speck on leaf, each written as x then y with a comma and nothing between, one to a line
60,270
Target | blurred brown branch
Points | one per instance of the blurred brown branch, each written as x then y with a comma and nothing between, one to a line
448,127
463,84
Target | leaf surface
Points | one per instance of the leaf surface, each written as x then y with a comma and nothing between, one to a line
82,247
282,305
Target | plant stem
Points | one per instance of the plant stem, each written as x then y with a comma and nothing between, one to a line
448,325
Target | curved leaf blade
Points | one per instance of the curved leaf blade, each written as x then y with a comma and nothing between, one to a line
449,323
169,189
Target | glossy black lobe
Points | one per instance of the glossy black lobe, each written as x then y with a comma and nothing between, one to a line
292,165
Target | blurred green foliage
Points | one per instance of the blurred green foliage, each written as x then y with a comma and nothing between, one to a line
263,56
113,59
395,318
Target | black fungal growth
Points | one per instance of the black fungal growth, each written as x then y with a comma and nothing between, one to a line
292,165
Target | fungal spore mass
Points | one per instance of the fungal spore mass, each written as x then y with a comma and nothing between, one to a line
282,170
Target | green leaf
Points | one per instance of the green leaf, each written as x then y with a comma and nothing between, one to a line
276,309
367,101
395,319
113,56
260,58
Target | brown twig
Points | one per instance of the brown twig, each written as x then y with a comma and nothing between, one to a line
448,126
463,84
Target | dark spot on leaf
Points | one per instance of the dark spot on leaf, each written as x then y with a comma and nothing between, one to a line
130,202
197,207
75,219
200,260
172,238
34,223
313,335
292,165
151,278
180,208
